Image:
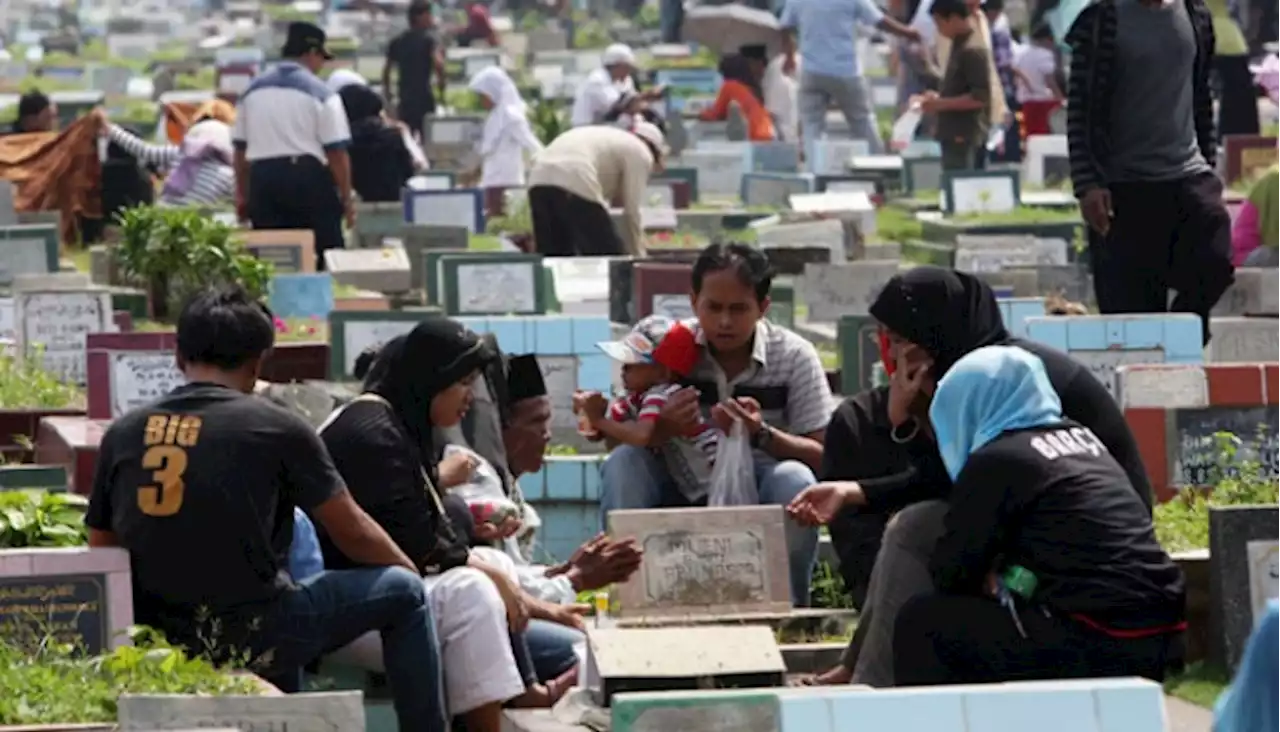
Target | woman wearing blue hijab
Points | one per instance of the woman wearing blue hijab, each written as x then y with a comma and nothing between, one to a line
1250,705
1048,566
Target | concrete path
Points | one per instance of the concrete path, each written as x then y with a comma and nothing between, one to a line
1187,717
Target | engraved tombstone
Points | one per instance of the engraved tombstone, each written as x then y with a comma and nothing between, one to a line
706,561
1242,576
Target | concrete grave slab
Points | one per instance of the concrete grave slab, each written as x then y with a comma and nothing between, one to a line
719,171
385,269
27,249
1104,342
82,595
979,191
581,284
461,207
706,561
831,157
8,215
350,332
856,207
1041,162
72,443
921,174
1243,340
1256,292
774,189
341,711
1243,555
417,240
771,157
833,291
288,250
129,370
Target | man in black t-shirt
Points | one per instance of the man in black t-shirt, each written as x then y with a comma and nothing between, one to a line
417,55
200,487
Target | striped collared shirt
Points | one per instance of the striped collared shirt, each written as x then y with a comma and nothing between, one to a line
212,186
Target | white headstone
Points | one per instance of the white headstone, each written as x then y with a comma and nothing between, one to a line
57,321
141,377
835,290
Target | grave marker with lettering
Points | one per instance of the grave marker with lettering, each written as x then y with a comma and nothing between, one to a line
129,370
705,561
462,207
833,291
494,284
1105,342
1242,576
301,295
350,332
288,250
52,324
1244,340
81,595
979,192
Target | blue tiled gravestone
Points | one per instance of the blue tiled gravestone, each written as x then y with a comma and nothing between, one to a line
1016,311
1105,342
771,157
301,295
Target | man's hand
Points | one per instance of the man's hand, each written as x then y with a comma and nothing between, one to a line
569,616
591,404
910,34
349,213
742,409
1097,211
680,412
818,504
486,531
600,563
907,384
515,600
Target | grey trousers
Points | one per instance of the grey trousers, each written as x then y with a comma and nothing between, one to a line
901,573
851,96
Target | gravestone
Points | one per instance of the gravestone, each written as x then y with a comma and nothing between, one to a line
830,234
301,295
831,157
855,207
858,340
493,284
330,711
418,240
662,288
921,174
381,270
8,215
378,223
979,192
771,157
79,595
27,249
774,190
1256,292
705,561
872,186
1103,343
1072,280
1042,164
833,291
350,332
1197,453
1242,576
1243,340
681,190
686,174
288,250
57,321
581,283
719,171
129,370
460,207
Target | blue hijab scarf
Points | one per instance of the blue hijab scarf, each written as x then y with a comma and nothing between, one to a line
1250,704
990,391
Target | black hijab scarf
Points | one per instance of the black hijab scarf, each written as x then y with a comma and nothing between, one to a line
362,104
738,68
413,368
945,312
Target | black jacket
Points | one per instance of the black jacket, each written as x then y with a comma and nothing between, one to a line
1090,88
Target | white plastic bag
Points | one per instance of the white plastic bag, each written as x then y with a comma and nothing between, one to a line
733,479
904,128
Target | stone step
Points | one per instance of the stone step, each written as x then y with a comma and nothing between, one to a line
829,622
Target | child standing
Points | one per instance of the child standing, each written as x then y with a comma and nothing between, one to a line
653,355
963,100
507,134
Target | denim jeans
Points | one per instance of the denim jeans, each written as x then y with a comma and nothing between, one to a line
331,609
551,648
633,477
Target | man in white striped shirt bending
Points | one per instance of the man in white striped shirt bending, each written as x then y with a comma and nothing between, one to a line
289,124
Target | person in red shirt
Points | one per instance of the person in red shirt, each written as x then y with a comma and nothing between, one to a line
741,86
479,26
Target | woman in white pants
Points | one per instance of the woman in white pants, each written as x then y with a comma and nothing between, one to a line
382,445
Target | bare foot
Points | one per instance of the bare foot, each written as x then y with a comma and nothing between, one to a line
836,676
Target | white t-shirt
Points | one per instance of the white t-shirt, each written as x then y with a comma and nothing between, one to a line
923,22
1037,64
782,97
598,93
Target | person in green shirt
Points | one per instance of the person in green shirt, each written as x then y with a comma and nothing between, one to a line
1254,234
1238,100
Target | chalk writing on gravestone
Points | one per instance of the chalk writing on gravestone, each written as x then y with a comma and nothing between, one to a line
141,377
1264,574
560,373
687,569
286,259
1103,364
58,322
71,608
497,288
358,335
1200,459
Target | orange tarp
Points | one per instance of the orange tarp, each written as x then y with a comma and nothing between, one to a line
56,172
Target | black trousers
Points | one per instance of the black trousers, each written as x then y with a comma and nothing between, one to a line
565,224
959,156
1237,96
296,193
1166,235
413,113
956,639
856,537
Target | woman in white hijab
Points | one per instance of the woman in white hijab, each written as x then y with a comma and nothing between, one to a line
345,77
507,133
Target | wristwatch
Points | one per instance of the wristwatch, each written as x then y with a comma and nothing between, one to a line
761,439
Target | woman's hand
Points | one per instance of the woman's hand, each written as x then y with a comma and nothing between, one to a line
907,384
508,527
569,616
456,469
818,504
514,599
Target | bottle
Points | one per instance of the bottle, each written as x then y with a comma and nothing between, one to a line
604,619
1020,581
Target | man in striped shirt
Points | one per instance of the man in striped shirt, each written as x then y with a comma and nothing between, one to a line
289,125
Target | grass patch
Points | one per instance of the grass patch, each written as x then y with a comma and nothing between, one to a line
896,224
1022,215
1200,684
24,384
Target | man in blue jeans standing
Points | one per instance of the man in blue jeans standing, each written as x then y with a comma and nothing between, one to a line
832,72
200,487
748,369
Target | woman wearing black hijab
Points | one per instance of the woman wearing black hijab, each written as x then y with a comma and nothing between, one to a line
382,445
380,163
930,318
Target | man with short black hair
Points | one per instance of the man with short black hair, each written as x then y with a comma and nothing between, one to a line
417,54
291,137
962,103
200,487
1141,137
36,113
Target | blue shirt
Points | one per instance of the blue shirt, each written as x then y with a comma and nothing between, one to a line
827,33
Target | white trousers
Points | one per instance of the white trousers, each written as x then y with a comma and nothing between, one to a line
475,646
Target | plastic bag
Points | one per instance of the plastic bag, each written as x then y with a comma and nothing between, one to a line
483,490
733,479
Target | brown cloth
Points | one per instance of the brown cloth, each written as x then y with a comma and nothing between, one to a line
178,116
56,171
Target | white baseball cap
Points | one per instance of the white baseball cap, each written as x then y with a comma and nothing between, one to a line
618,53
650,133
